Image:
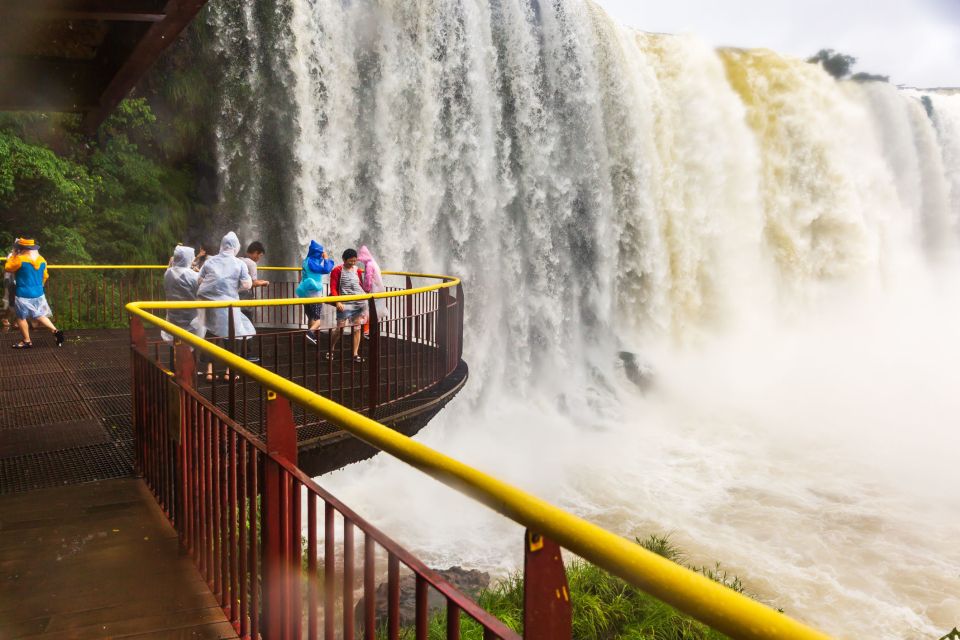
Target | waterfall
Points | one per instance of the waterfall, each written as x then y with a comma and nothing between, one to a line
781,247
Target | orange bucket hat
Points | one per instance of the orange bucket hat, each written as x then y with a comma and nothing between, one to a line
26,243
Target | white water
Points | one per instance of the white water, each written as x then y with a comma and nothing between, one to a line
782,249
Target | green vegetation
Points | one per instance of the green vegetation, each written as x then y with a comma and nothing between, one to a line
114,199
146,181
604,607
840,65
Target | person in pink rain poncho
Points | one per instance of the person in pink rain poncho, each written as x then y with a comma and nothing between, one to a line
373,279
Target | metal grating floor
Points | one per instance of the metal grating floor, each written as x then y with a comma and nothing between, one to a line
65,413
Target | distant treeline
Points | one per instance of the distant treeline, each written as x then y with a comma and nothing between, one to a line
840,66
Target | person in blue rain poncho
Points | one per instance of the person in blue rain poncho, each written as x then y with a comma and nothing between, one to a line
180,283
221,278
315,266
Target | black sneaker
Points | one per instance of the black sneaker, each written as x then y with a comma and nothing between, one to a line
60,338
311,339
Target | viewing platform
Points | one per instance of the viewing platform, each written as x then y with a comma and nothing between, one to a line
140,499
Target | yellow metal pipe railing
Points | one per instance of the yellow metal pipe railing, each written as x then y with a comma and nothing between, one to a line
713,604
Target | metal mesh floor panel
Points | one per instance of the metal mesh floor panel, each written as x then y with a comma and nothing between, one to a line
100,388
69,466
28,381
113,372
44,414
52,437
46,394
65,414
111,406
17,369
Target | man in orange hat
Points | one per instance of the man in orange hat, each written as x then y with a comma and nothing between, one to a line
30,301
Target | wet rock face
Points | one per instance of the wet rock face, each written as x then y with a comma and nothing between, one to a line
468,581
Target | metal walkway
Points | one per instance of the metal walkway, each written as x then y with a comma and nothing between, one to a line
99,560
65,413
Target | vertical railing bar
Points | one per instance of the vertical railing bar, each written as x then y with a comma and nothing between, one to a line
393,597
244,527
234,576
254,564
369,588
421,608
453,621
312,596
329,573
348,560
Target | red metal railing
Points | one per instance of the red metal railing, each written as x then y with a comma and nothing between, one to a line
96,296
410,351
241,507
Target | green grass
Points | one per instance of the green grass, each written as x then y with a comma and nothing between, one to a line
604,607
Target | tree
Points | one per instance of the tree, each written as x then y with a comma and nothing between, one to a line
836,64
869,77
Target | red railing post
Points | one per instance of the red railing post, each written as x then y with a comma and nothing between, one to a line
281,592
183,364
374,367
461,310
183,368
547,611
443,331
232,389
138,335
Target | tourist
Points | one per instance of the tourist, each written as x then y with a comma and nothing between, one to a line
255,251
347,280
315,266
206,250
373,280
180,283
30,301
222,278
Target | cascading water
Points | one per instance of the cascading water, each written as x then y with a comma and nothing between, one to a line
781,247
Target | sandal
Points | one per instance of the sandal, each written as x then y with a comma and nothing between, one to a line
358,359
328,356
23,345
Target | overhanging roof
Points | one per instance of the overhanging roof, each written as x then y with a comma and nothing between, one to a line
82,56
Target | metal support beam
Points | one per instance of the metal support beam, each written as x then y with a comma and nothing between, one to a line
161,35
111,10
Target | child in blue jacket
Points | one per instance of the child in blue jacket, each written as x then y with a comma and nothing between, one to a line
30,301
315,266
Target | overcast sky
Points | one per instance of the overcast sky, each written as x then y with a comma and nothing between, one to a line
915,42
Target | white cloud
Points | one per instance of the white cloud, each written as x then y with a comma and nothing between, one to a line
916,43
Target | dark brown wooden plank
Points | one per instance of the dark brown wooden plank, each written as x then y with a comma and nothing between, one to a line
98,560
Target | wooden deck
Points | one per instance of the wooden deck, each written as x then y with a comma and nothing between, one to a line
98,560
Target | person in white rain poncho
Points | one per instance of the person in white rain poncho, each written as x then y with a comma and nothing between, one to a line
222,277
180,283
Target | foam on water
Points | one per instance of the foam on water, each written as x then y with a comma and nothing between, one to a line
779,246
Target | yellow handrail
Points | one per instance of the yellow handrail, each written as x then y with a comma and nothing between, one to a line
90,267
713,604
